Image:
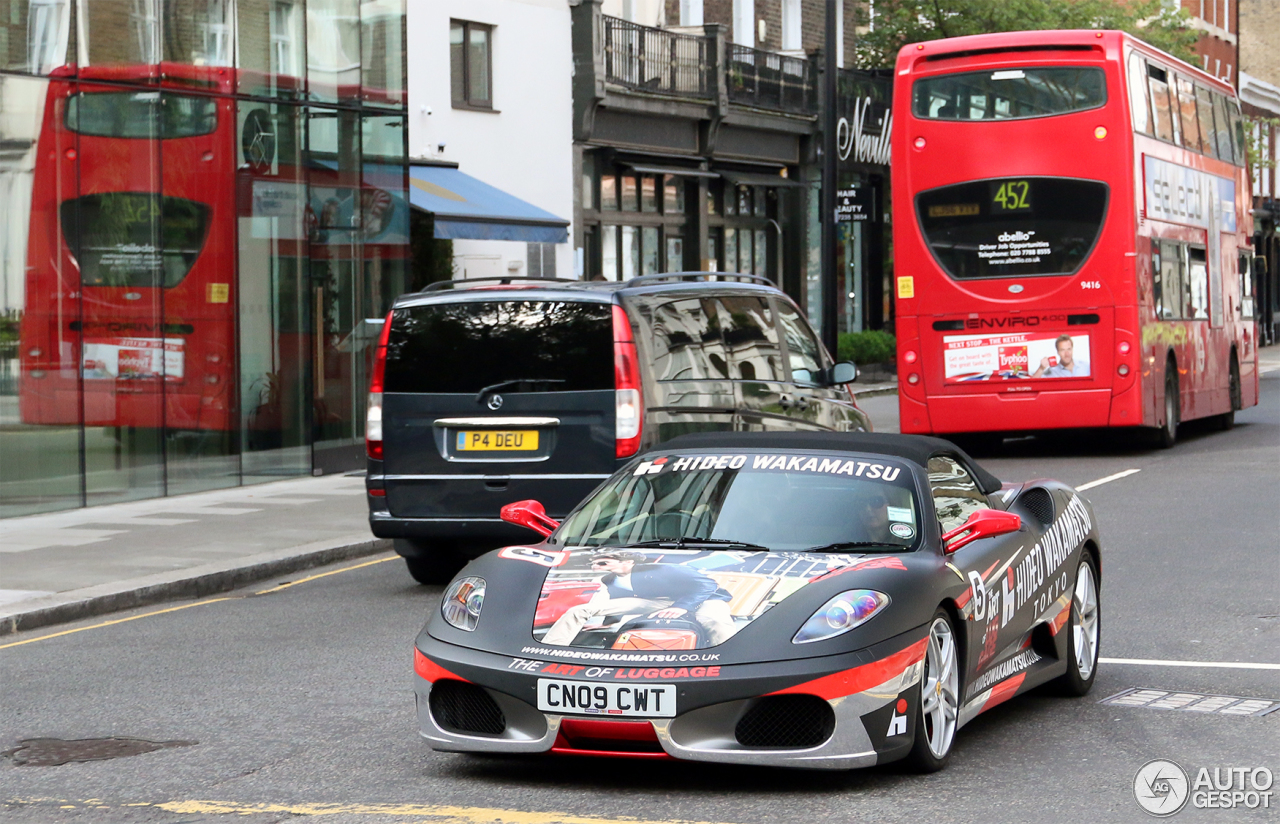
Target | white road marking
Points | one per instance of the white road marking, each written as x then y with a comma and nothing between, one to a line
1107,479
1153,662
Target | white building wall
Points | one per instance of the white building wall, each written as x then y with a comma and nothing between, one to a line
525,145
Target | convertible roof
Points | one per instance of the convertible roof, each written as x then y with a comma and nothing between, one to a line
915,448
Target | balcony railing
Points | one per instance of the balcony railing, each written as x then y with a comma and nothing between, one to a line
768,80
654,60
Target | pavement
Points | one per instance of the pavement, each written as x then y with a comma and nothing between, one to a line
66,566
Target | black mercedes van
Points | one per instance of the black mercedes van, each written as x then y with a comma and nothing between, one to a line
489,391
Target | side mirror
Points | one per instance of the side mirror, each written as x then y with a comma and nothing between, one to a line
842,373
532,515
985,523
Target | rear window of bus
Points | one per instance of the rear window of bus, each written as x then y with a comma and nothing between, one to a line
1009,94
145,115
536,345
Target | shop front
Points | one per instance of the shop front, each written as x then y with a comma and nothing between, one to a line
206,219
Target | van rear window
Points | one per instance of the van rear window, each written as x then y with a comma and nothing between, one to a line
549,346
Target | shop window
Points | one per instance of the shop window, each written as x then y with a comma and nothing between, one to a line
673,195
609,253
675,253
731,250
471,64
608,193
649,251
648,194
629,194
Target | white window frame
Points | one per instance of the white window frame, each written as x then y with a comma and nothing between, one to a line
744,22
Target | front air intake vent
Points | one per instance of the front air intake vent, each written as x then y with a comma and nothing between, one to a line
465,708
1039,503
786,721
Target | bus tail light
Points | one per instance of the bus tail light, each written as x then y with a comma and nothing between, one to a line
373,413
1124,347
910,356
1123,369
626,380
913,378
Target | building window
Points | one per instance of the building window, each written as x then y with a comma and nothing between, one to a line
791,25
541,260
471,64
691,12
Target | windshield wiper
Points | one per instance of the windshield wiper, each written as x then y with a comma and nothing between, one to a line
683,542
494,387
838,545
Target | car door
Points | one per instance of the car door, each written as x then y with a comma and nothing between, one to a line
984,564
754,354
807,398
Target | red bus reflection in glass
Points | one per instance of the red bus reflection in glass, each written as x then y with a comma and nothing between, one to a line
1065,250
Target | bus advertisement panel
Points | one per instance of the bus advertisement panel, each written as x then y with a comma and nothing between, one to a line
1071,237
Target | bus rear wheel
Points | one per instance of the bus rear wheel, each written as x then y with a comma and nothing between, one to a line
1167,435
1227,420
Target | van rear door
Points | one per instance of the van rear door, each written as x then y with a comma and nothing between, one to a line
492,399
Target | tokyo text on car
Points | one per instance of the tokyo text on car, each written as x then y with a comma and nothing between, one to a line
823,600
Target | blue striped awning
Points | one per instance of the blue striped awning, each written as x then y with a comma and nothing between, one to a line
465,207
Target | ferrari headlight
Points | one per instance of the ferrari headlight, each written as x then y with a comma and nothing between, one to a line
842,613
462,602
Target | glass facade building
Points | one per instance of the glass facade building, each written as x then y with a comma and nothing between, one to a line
205,218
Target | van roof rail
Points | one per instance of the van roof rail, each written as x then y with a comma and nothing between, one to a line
700,277
502,280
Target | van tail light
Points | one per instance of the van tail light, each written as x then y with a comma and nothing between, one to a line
626,381
373,414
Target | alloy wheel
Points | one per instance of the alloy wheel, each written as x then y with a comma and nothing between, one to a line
940,703
1084,617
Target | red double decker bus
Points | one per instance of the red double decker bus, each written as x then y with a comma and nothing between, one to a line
132,252
1071,237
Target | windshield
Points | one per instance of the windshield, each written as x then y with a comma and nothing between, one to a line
785,502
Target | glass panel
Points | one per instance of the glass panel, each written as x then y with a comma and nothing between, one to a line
648,194
1161,109
1138,106
1011,227
609,193
1187,105
761,257
274,296
384,227
133,352
730,199
802,347
713,197
382,46
744,200
34,35
730,249
1009,93
674,195
761,201
333,50
588,181
464,347
751,338
715,243
336,278
629,194
630,252
479,87
132,114
39,334
198,34
457,66
271,44
120,33
199,264
675,254
650,251
1237,131
1222,132
609,253
1204,110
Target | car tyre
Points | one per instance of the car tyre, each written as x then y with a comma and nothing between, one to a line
429,563
939,713
1083,633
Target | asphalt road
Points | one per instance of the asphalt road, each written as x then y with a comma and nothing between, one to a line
297,704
